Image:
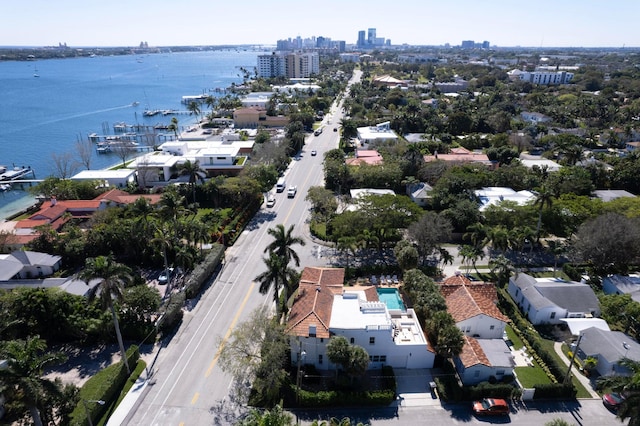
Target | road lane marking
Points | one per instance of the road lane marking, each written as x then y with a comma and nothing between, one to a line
230,329
195,398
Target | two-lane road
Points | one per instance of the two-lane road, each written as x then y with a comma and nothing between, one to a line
189,386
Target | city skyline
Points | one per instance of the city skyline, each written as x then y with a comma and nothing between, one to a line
545,23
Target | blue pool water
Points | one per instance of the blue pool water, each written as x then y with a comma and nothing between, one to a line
391,298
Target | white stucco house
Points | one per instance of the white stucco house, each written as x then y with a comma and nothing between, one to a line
379,133
28,264
548,300
473,306
608,347
482,359
494,195
118,178
420,193
324,308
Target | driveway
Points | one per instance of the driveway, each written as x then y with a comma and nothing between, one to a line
413,388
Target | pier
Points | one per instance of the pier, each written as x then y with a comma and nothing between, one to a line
10,175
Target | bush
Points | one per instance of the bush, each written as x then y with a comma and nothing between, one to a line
487,390
202,273
554,391
105,386
172,314
345,399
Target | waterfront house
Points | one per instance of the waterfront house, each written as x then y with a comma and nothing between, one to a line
548,300
324,308
119,178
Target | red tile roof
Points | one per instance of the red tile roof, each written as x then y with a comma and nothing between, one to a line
313,303
466,299
122,197
472,353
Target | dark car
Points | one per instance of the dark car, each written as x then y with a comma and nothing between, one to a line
491,407
335,129
164,276
612,400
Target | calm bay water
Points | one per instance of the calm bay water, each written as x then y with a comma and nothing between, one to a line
72,98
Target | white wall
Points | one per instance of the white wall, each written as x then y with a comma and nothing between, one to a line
480,325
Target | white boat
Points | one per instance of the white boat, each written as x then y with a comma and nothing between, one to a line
5,187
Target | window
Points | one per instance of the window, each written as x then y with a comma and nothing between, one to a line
322,340
553,315
383,358
492,327
468,329
312,330
352,340
320,359
376,358
372,340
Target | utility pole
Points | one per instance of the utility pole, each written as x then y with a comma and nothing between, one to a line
575,351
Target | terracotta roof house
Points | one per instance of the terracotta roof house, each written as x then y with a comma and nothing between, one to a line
460,155
121,198
473,307
324,308
482,358
365,156
547,300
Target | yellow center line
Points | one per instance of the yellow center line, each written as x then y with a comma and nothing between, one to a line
231,327
195,398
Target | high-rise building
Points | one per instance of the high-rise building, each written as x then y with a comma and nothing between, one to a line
361,40
468,44
291,65
371,36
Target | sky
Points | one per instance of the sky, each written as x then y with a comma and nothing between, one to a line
505,23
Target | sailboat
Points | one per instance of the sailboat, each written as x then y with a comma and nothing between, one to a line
35,71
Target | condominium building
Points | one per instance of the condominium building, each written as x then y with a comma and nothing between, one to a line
291,65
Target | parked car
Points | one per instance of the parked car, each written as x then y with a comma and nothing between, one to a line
318,132
491,407
314,153
291,192
612,400
271,200
165,276
335,129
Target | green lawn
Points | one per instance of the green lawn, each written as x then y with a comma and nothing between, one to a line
582,392
515,340
531,376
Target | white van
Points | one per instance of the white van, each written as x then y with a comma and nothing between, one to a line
281,185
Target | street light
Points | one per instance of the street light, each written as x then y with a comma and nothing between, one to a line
86,407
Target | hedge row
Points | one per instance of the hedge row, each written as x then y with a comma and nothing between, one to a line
530,337
103,386
450,390
345,399
203,271
172,314
555,391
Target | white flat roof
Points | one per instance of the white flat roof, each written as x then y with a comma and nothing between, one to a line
552,166
155,160
577,325
104,174
346,313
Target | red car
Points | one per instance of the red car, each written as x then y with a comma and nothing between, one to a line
612,401
491,407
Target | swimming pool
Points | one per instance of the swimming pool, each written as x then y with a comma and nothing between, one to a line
391,298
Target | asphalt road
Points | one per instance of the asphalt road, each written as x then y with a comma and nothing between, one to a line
189,388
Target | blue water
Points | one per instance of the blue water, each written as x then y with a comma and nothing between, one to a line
75,97
391,298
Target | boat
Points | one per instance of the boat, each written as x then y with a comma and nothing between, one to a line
150,112
5,187
35,72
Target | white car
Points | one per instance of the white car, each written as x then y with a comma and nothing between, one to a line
271,201
314,153
291,192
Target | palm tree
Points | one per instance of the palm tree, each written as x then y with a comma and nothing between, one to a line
281,245
502,267
279,276
544,198
174,126
630,387
112,278
22,377
194,172
194,108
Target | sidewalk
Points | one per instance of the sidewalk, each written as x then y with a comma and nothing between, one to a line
584,380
